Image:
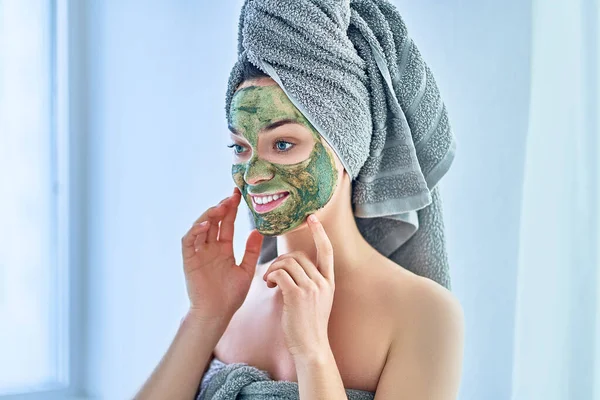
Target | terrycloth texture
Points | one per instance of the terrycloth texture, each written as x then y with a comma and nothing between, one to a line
352,70
242,381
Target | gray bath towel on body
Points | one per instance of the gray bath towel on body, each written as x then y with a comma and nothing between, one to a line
350,67
241,381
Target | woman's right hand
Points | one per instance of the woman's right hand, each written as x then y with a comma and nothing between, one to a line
216,285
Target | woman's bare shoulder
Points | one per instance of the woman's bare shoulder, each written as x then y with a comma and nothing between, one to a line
414,296
431,315
427,334
428,296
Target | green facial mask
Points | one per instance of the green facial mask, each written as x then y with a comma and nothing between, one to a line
310,183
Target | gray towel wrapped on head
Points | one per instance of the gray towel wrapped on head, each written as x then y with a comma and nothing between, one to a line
350,67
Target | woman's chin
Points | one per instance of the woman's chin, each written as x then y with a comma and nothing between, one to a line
283,231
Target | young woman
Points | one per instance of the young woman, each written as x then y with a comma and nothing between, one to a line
330,312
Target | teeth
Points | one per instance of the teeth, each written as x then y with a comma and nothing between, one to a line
267,199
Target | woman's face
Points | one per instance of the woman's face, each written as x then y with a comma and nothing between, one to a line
280,163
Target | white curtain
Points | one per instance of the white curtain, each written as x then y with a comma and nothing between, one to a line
557,325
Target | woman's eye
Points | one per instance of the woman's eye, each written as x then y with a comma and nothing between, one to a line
237,149
282,145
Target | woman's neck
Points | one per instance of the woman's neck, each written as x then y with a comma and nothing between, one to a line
350,249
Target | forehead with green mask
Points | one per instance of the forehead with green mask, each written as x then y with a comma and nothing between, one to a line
280,165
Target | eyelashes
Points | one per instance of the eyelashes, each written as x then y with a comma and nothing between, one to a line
287,146
237,149
280,146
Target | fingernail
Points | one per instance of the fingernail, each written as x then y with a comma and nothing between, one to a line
204,223
312,218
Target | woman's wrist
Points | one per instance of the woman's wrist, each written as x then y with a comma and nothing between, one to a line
194,318
315,356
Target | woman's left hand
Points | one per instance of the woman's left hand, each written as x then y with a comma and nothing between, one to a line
307,294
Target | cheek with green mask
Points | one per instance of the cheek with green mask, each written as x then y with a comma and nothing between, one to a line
310,184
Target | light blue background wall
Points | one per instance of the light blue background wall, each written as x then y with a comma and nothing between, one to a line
479,52
153,92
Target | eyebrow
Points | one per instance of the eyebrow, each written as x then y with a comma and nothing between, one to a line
269,127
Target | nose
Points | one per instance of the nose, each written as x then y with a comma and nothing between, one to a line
258,171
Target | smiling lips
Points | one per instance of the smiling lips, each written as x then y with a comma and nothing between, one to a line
266,202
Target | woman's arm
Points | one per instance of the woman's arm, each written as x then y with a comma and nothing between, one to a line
319,377
217,287
425,357
179,372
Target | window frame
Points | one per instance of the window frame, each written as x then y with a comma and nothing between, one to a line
67,130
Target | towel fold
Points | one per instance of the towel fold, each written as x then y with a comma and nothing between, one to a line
241,381
350,67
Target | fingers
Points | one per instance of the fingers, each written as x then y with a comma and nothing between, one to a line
293,268
282,279
204,216
227,225
215,216
310,269
324,248
208,223
210,212
203,228
253,246
196,233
